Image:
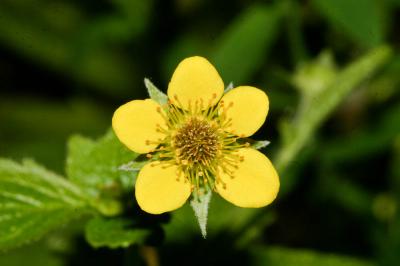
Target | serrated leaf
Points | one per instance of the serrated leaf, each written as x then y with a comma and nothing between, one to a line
94,165
200,204
155,93
34,201
113,233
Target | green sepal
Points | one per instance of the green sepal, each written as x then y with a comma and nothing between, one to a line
229,87
255,144
200,202
136,164
259,144
154,93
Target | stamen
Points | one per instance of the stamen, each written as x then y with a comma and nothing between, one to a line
197,141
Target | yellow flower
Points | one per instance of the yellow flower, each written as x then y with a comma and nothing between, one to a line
196,141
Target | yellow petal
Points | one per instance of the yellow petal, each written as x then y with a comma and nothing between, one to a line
136,122
255,183
195,78
247,107
158,190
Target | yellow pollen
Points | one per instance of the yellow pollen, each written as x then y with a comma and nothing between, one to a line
197,140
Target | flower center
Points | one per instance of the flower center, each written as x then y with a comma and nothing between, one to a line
196,142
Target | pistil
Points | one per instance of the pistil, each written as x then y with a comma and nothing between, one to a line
198,142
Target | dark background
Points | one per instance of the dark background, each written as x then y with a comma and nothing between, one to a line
66,65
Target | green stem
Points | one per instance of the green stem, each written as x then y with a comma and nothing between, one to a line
299,132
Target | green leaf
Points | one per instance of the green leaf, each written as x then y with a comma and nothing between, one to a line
278,256
33,255
247,40
34,201
313,111
94,165
200,205
361,20
155,93
113,233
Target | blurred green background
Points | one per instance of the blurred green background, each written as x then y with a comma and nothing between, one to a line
65,65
